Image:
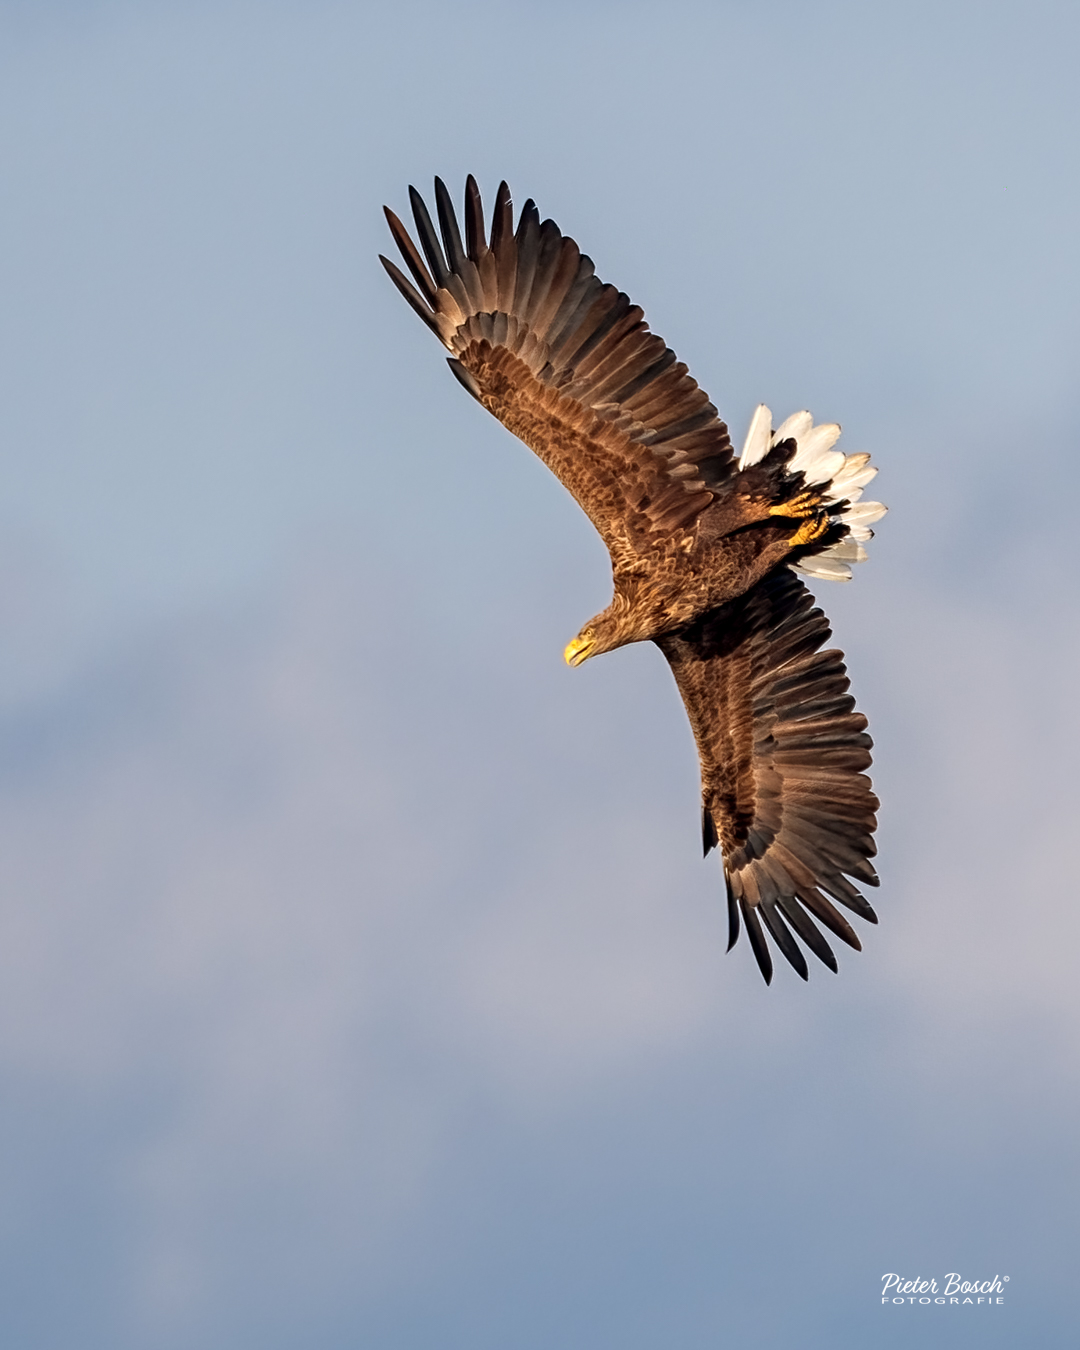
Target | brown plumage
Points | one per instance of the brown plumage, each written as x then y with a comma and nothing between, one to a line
702,549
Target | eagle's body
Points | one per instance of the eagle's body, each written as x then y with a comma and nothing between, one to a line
702,548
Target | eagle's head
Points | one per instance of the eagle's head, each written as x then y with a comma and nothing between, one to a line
620,623
593,639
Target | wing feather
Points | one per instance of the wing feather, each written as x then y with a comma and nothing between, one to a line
528,255
428,239
782,754
413,261
800,921
504,247
733,912
412,295
565,271
475,240
758,944
448,227
782,937
547,262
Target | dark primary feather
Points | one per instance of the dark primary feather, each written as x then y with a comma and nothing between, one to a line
800,921
412,258
758,945
463,377
528,252
733,912
428,240
782,937
410,293
455,254
475,243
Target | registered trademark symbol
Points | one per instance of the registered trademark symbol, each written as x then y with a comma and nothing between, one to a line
1004,1277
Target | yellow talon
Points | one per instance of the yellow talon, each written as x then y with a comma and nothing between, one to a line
805,504
808,531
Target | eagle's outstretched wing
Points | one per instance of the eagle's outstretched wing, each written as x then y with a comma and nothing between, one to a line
568,364
782,758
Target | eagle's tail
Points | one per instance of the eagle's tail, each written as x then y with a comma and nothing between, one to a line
838,478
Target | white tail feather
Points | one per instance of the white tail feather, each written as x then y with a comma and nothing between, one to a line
847,550
819,439
756,445
794,429
826,568
865,513
841,478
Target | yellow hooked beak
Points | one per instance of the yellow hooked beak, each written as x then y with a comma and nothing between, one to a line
578,651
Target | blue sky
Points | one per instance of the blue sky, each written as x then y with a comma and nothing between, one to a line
360,981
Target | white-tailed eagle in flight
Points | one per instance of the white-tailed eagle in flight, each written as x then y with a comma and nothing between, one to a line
704,548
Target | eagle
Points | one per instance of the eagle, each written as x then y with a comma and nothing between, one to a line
704,550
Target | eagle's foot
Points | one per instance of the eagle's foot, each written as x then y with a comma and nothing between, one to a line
810,531
799,508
